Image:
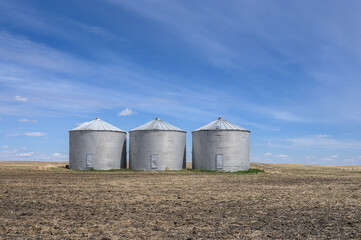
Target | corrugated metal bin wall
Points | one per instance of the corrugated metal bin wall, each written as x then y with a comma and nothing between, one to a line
98,145
157,145
221,146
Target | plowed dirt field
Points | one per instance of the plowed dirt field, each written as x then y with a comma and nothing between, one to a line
46,201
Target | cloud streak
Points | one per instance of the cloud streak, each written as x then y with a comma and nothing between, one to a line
59,95
22,51
20,99
12,135
35,134
324,142
28,154
126,112
20,155
27,120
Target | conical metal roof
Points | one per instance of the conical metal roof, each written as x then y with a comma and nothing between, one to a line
157,125
221,124
97,125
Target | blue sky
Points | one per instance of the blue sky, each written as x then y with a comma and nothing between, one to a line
287,70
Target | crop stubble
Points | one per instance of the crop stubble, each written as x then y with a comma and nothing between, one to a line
37,201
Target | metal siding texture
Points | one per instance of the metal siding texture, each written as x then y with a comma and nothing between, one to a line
234,145
169,145
108,149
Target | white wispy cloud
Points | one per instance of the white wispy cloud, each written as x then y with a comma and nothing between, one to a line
320,144
5,146
80,123
126,112
190,27
12,135
20,99
19,155
323,136
283,156
27,120
35,134
59,95
178,101
98,31
31,54
267,154
274,44
28,154
23,14
324,142
10,151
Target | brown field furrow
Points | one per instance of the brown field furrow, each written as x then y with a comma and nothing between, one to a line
47,201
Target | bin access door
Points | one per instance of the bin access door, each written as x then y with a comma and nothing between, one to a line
219,161
89,161
154,161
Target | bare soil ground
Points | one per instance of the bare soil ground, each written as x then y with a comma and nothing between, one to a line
46,201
